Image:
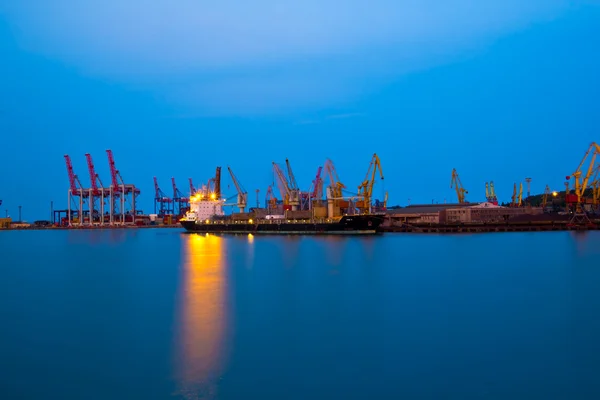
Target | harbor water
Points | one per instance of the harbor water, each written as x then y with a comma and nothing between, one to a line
161,314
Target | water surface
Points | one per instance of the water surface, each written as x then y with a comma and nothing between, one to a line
157,313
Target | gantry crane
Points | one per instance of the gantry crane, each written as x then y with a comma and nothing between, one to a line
75,190
242,195
517,197
95,192
457,184
162,202
192,188
365,189
179,199
583,180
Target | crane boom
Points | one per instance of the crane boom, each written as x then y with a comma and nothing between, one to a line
334,181
113,171
218,183
72,176
317,192
493,192
365,189
582,181
291,179
282,183
242,195
457,184
545,196
93,174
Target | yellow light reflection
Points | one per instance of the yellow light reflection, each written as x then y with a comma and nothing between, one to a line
202,319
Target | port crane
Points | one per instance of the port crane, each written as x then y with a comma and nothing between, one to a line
242,195
95,192
212,189
583,180
490,192
162,202
365,189
317,186
192,188
335,185
120,190
179,199
75,190
457,184
270,199
596,188
517,197
288,188
547,193
294,190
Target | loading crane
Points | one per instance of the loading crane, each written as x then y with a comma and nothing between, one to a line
294,190
179,199
457,184
517,197
217,183
365,189
95,192
242,195
270,199
317,186
192,188
581,180
282,184
162,202
490,193
547,193
75,190
335,185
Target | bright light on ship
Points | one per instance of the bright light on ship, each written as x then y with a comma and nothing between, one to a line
554,194
212,196
250,221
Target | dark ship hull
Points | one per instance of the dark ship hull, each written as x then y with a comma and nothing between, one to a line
347,225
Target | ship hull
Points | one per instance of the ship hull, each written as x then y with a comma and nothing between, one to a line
347,225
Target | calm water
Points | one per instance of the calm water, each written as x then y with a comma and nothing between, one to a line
158,314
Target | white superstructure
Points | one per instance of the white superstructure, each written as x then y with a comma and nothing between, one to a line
203,207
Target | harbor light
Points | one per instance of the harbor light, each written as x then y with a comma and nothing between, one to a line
554,194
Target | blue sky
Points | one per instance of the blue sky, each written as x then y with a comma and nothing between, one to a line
500,91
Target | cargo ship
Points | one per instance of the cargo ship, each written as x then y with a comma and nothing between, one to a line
207,216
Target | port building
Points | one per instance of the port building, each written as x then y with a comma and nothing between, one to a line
457,213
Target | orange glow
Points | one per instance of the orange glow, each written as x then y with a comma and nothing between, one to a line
202,314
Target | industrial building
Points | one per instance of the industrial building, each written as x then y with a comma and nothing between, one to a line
421,213
486,213
456,213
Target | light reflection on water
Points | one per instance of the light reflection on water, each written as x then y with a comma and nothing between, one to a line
201,317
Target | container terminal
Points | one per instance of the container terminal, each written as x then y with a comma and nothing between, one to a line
114,204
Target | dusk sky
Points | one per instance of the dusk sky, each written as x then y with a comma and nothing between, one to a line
499,90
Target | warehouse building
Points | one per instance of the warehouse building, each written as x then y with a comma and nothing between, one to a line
485,212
